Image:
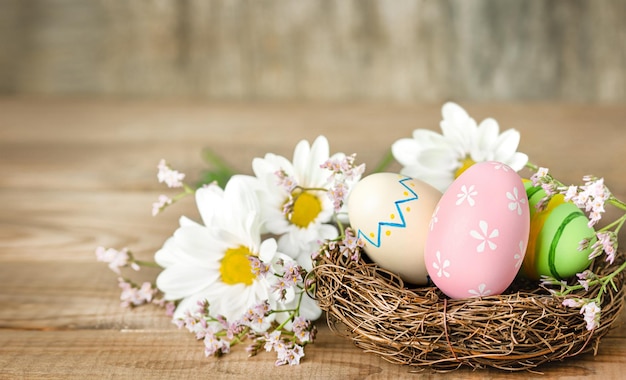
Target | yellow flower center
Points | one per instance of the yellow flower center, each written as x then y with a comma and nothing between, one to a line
306,208
235,267
465,164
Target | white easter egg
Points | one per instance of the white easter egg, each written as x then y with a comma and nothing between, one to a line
391,214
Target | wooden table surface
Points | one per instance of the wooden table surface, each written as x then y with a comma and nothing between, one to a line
76,174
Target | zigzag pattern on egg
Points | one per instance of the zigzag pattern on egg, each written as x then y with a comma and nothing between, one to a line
401,224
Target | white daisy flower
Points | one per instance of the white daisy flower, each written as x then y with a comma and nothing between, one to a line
211,261
308,220
439,159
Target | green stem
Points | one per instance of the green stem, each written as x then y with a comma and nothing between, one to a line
304,189
342,231
607,280
151,264
617,203
604,281
618,222
187,191
292,313
532,166
238,338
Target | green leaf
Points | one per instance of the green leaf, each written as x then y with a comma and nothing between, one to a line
219,170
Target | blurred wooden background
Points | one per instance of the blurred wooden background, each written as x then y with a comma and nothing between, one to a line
347,50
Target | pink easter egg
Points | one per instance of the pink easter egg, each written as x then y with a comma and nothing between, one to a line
478,232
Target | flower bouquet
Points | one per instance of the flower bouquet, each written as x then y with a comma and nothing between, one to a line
277,248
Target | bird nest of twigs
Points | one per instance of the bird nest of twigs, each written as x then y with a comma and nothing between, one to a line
421,327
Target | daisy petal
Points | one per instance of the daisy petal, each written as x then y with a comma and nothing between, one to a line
181,281
320,152
194,243
439,159
166,255
309,309
209,200
487,140
517,161
506,145
405,151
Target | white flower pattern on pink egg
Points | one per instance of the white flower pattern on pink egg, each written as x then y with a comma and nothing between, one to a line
519,256
481,291
485,236
466,194
501,166
441,266
516,202
434,219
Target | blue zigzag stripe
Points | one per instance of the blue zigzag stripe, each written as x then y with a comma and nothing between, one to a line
401,224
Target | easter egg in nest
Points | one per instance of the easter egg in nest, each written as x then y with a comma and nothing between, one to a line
479,232
390,213
556,232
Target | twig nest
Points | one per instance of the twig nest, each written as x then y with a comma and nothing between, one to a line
522,328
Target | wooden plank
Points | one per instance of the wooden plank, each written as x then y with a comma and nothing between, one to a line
158,354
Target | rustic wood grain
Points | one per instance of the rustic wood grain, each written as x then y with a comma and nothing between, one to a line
161,354
413,50
76,174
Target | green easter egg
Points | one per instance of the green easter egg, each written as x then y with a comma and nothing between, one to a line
555,235
534,194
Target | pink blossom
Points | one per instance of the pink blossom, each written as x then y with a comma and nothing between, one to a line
572,302
213,345
591,313
135,296
291,355
160,204
272,340
301,329
350,244
292,272
584,278
343,166
259,268
287,182
337,195
343,170
116,259
170,307
549,189
172,178
571,193
281,286
541,174
607,242
584,244
288,206
256,317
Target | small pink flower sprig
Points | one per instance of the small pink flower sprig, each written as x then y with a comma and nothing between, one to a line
592,197
347,244
173,179
260,323
132,294
219,172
